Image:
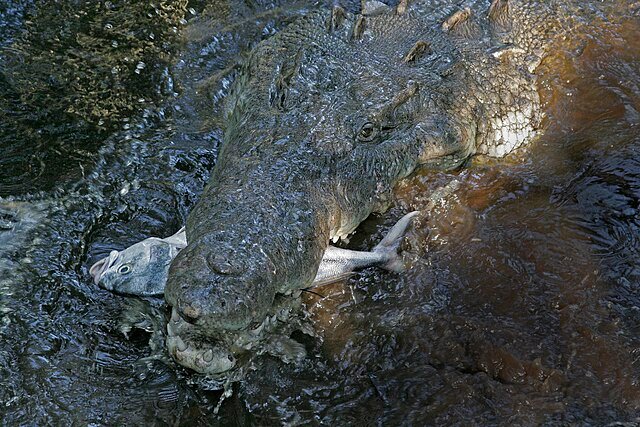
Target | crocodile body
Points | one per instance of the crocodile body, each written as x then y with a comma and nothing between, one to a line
325,118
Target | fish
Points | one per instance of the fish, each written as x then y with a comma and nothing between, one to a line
338,263
142,269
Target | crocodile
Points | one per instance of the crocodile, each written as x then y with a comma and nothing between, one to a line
324,119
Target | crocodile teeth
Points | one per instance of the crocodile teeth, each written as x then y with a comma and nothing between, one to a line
257,330
175,317
180,344
170,329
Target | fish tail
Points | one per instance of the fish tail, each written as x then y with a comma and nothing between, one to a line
389,246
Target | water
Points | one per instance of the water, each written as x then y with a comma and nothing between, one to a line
521,306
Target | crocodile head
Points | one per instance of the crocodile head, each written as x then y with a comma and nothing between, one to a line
225,309
323,120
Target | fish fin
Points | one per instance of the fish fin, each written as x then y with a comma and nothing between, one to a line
179,239
391,242
394,236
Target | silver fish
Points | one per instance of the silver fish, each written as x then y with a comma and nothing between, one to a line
338,263
142,269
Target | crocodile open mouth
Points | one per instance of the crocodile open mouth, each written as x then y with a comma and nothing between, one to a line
217,354
198,353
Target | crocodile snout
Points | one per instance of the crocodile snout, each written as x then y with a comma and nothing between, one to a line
218,292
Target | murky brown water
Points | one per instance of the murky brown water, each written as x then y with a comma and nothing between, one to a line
522,305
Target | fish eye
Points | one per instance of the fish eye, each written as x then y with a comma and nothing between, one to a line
124,269
367,132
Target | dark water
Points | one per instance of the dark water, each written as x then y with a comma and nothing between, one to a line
521,307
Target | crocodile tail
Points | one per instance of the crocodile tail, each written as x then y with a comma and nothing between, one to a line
388,247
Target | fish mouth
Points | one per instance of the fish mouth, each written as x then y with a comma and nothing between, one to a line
98,269
201,354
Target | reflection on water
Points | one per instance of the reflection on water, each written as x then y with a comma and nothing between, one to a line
522,304
74,75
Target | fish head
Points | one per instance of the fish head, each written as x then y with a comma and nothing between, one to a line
140,269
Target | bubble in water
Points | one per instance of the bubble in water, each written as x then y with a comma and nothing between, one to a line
140,66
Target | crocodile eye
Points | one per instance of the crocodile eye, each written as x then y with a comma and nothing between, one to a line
367,132
124,269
